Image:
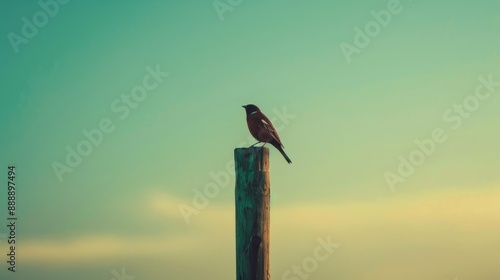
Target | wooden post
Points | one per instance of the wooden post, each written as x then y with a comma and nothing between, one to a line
252,196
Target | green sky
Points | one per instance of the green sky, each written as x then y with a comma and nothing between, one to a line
346,122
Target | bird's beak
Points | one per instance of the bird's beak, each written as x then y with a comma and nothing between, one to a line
244,106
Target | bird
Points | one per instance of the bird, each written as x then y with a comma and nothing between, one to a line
263,130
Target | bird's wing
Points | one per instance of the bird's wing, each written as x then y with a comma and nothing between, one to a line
270,128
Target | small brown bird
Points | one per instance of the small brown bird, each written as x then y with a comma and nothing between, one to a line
262,129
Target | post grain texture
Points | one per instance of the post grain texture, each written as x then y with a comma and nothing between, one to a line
252,197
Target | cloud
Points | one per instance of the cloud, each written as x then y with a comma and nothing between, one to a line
434,229
100,247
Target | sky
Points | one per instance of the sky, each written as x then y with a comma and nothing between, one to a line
121,118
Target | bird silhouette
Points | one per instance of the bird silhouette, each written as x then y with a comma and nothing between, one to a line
262,129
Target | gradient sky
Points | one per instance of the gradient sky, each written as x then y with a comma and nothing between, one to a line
349,123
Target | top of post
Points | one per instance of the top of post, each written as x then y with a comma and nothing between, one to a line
252,159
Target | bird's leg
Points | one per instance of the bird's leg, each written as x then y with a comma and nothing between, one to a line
255,144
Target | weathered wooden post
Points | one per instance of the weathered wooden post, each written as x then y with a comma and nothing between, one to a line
252,196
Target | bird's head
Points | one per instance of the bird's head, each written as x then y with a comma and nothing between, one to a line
250,108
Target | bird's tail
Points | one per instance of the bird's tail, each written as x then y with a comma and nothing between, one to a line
278,146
